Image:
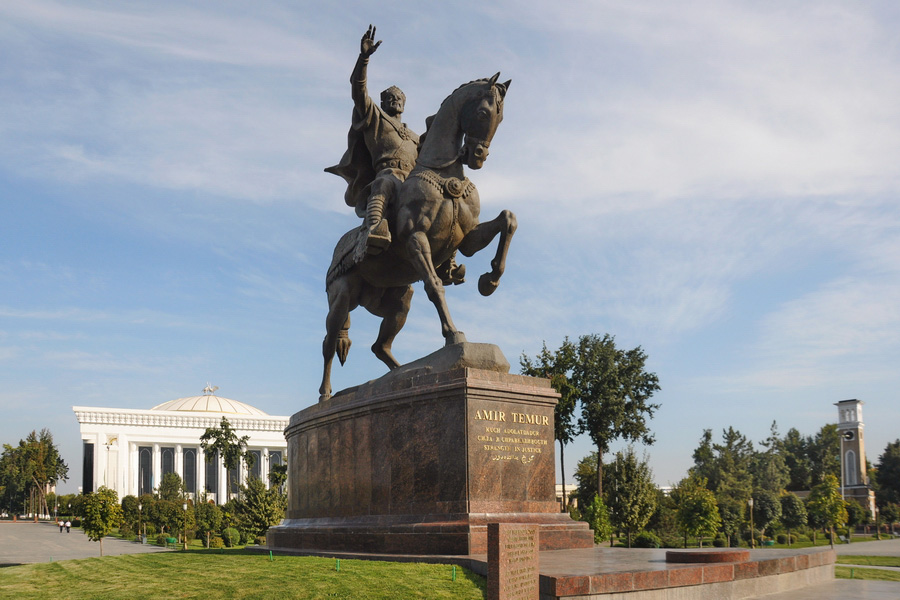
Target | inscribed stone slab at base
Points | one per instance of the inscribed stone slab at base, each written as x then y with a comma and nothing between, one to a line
513,572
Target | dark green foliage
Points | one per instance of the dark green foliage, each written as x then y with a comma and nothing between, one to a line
888,474
586,476
596,515
208,518
766,509
27,470
259,508
557,367
825,507
224,441
793,512
614,390
856,514
102,514
646,539
630,492
697,511
231,536
171,488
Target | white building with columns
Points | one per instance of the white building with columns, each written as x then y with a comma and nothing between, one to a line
130,450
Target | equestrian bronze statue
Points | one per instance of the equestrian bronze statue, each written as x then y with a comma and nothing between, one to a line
415,217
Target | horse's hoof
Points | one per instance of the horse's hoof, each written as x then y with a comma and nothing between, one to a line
324,397
486,285
455,337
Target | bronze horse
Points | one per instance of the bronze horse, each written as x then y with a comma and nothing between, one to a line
434,214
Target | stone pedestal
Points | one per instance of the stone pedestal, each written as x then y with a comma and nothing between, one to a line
420,461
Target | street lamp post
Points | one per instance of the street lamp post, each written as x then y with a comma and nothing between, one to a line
140,522
752,532
184,506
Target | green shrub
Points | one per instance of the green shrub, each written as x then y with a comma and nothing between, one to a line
720,542
646,539
125,531
161,539
150,530
231,536
781,538
217,542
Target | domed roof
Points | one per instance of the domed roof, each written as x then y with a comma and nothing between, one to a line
209,402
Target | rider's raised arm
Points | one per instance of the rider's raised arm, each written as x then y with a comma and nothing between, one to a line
367,47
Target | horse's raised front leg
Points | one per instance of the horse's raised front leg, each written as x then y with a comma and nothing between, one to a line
419,250
480,237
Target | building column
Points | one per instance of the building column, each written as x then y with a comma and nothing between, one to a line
222,496
157,468
201,472
134,461
179,461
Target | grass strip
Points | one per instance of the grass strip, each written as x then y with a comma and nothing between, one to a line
872,561
870,574
239,575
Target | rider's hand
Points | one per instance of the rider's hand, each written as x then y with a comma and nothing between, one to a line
368,45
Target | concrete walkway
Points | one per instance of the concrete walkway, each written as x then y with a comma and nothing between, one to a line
844,589
24,543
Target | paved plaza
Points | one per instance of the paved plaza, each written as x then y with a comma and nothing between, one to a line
23,543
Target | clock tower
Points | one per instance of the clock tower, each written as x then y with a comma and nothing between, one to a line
854,479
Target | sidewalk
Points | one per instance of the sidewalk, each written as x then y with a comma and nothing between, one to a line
23,543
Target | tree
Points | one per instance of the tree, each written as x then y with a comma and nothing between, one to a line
278,476
766,509
825,454
891,514
793,513
224,441
769,469
614,390
208,517
102,514
795,448
557,367
28,471
888,474
259,508
586,476
597,516
698,512
825,506
630,492
857,514
726,468
172,488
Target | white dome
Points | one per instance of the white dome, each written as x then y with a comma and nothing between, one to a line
210,403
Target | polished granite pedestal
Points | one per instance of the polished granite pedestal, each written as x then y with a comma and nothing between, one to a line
420,461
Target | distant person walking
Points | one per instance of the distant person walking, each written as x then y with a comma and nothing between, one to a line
68,526
62,525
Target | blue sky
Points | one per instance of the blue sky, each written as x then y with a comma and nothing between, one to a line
713,181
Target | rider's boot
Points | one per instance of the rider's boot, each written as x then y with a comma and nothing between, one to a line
378,235
450,272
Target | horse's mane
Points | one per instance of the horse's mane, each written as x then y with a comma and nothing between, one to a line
430,120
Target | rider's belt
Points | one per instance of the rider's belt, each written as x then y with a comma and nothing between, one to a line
394,163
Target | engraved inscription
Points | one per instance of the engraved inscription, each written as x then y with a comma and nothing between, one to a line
504,441
519,573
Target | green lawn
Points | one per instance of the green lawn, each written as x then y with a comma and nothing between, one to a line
872,561
873,574
236,574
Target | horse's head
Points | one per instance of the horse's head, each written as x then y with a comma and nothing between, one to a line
480,114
